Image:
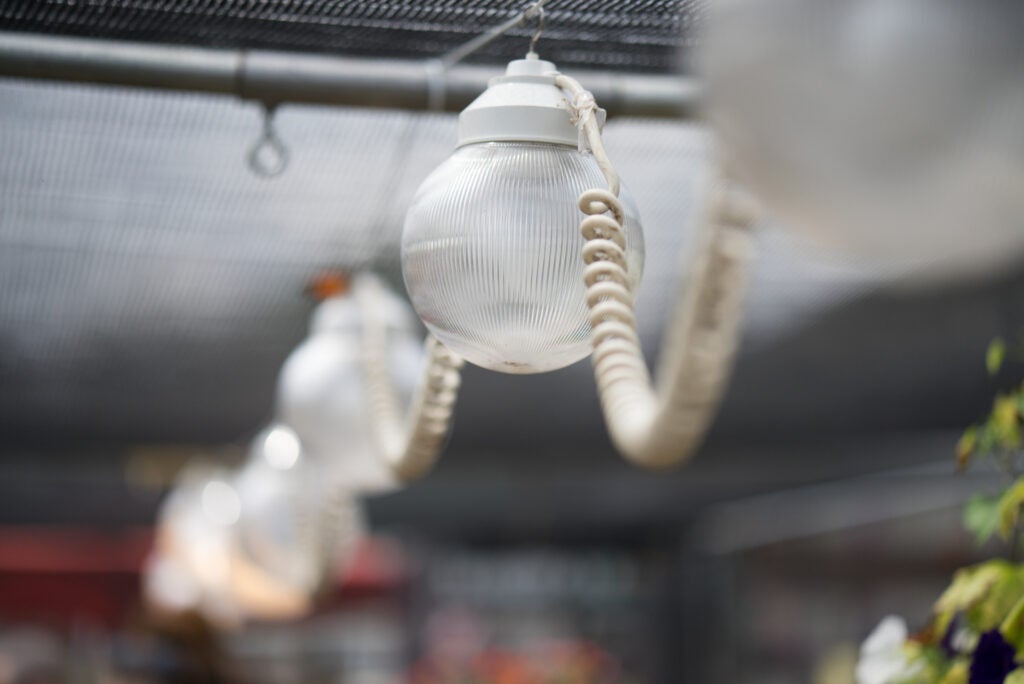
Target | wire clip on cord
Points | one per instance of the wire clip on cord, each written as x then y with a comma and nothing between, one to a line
583,109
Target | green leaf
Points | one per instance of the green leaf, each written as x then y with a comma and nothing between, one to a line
1009,508
965,447
926,665
1015,677
985,593
999,603
969,587
1006,421
995,355
981,516
959,673
1012,627
987,438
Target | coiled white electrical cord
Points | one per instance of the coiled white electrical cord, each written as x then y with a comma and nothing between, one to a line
409,445
657,427
652,426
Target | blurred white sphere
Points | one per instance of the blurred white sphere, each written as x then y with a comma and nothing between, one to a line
169,585
295,526
279,506
259,543
189,568
321,396
894,128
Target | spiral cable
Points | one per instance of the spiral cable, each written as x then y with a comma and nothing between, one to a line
658,427
409,446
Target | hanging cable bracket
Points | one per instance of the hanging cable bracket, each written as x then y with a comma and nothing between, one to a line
536,9
268,157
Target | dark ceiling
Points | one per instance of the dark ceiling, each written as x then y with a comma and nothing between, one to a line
644,35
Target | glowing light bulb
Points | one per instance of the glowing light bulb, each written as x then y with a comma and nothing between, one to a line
491,243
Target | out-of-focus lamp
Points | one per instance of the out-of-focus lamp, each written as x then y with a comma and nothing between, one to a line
258,543
321,390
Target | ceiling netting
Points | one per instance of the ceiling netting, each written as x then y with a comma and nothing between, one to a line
641,35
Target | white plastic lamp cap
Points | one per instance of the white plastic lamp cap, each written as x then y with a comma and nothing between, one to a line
524,105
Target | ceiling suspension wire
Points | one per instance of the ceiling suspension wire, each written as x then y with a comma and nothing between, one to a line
437,69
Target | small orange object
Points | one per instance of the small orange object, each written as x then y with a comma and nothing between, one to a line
328,284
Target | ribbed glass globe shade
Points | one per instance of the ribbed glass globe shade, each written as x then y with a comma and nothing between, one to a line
491,254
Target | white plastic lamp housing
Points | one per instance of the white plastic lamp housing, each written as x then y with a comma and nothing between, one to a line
320,391
491,244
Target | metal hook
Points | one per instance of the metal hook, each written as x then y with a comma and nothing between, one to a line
268,157
536,9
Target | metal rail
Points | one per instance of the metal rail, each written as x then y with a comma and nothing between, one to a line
281,77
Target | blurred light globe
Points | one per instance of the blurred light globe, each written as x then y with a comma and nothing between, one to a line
892,128
321,394
258,543
297,523
278,513
491,249
190,568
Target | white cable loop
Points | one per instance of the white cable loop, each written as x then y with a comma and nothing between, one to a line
411,444
661,426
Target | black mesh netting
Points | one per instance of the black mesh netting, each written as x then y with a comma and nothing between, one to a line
644,35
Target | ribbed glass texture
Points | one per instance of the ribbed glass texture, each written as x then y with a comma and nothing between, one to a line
491,254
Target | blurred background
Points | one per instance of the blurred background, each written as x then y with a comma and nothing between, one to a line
152,285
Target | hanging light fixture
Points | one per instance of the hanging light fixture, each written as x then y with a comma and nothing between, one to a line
321,393
257,543
262,541
491,245
296,524
497,273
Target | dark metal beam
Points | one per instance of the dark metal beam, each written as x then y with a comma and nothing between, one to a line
280,77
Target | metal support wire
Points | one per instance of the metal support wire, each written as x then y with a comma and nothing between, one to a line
534,9
437,69
291,78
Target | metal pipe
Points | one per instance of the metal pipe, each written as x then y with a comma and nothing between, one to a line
282,77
